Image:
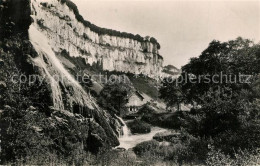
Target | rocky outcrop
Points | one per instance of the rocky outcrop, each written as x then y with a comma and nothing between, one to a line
59,24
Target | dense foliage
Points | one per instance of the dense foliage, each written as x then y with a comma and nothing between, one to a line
138,126
13,22
171,93
114,96
219,68
225,114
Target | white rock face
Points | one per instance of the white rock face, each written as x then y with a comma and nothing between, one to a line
64,32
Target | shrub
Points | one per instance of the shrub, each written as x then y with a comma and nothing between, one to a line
191,150
227,123
143,147
218,158
137,126
171,121
115,157
146,109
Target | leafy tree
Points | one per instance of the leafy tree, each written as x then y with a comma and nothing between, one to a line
232,124
228,116
218,63
171,93
114,96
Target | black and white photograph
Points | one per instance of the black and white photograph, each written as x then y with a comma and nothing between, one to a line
130,82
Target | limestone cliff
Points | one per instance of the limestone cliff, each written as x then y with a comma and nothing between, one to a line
58,22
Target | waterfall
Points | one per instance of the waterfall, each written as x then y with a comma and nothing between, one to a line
40,44
56,92
125,132
55,72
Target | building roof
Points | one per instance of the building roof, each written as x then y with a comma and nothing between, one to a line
137,93
136,99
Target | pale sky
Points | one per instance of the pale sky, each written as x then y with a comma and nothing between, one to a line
183,28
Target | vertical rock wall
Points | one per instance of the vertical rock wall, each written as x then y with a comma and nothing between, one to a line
64,32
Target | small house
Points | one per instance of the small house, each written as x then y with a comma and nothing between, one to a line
135,101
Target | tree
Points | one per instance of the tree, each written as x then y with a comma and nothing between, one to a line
114,96
224,61
229,112
171,93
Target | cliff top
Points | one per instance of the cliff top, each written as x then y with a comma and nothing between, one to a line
104,31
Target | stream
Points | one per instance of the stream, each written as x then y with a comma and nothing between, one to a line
128,140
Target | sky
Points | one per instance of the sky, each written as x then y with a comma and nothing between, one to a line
183,28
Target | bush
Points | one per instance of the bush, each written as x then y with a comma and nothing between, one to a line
190,150
115,157
227,123
171,121
143,147
218,158
137,126
146,109
245,138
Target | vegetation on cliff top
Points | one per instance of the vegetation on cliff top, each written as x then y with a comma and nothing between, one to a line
104,31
